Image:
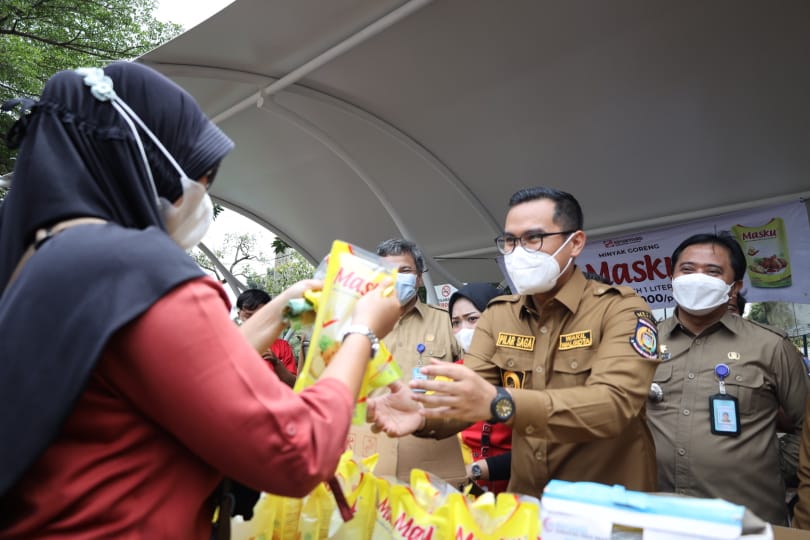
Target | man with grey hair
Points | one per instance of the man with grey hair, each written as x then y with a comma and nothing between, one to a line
423,331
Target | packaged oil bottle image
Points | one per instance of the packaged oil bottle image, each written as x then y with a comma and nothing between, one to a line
766,253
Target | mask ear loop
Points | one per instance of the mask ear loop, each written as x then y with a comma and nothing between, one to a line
141,150
152,136
101,86
570,259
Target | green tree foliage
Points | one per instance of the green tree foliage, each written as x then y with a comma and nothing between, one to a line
244,258
280,246
240,255
41,37
769,313
759,312
289,268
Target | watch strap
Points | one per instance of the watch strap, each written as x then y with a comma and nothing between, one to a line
502,395
366,331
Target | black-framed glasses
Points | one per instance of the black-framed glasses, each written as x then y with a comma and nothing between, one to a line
530,241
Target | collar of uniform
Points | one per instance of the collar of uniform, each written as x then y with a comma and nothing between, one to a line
418,308
728,321
569,295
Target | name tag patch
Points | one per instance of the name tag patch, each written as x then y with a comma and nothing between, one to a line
577,340
515,341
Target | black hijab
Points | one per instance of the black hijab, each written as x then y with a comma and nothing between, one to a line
478,293
78,158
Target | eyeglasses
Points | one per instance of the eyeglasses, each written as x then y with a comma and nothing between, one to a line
530,241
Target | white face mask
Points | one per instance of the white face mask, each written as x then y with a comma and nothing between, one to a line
534,272
464,337
186,224
699,294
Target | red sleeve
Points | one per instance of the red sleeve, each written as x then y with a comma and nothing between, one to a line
187,367
284,352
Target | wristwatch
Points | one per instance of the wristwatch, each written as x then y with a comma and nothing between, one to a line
476,471
502,407
366,331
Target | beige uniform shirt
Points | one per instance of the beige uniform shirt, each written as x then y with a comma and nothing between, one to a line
581,369
764,375
425,324
430,326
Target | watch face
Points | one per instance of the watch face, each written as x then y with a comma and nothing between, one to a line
504,408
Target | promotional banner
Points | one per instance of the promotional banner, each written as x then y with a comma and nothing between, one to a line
775,240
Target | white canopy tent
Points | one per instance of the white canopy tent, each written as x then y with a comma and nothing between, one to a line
369,119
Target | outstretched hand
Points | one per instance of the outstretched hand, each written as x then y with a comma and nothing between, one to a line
458,393
396,414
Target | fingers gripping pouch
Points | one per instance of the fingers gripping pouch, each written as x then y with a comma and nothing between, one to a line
351,272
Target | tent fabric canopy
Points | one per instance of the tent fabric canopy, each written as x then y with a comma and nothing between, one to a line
369,119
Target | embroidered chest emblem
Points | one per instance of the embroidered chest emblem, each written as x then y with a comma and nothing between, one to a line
576,340
515,341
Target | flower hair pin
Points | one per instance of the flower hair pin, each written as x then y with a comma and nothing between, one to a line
101,86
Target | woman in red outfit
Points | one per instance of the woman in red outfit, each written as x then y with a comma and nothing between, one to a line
489,444
128,392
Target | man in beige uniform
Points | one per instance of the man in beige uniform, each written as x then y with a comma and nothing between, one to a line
420,323
567,363
425,328
713,439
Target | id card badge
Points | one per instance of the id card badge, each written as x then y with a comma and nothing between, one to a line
418,376
415,373
725,415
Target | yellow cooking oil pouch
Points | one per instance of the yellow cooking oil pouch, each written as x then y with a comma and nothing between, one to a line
363,500
411,520
275,517
767,253
350,273
415,511
264,513
493,518
317,509
383,525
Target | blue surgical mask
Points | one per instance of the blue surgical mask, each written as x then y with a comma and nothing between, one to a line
406,287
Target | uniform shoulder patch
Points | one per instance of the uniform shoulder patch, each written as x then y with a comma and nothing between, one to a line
778,331
600,289
645,338
437,308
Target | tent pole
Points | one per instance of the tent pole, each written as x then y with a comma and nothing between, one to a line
302,71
